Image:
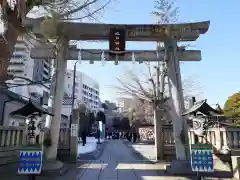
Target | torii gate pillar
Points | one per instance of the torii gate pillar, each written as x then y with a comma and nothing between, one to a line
56,98
180,129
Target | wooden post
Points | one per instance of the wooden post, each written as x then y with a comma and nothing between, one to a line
74,136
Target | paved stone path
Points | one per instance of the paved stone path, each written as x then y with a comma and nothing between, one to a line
118,163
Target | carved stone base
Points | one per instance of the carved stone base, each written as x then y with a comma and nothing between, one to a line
179,167
53,167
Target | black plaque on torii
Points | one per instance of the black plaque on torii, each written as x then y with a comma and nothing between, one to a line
117,43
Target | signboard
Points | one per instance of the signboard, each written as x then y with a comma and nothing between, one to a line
74,130
117,42
30,161
202,158
158,30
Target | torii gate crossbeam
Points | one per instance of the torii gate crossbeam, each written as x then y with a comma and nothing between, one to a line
134,32
102,54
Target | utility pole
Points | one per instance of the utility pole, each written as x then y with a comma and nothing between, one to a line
73,90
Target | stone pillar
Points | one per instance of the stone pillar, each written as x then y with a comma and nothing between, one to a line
158,130
74,136
176,104
235,157
61,66
218,139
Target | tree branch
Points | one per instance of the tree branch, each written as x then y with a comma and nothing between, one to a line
85,5
90,14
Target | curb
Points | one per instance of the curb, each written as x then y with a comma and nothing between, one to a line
137,154
46,173
58,172
94,155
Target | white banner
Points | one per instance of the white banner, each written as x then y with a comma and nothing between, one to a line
74,130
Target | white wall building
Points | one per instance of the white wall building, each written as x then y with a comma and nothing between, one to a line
29,70
86,89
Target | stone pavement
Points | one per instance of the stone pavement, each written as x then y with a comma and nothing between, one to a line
117,162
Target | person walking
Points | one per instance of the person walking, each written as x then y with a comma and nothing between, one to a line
84,138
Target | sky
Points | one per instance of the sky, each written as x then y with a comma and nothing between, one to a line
217,72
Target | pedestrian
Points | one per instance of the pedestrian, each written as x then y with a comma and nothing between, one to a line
134,136
98,136
84,138
106,133
109,135
129,136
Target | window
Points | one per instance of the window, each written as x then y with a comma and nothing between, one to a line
68,85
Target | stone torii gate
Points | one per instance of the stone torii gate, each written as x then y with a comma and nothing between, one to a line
169,34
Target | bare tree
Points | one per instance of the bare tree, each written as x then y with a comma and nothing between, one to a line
144,88
166,12
12,14
191,88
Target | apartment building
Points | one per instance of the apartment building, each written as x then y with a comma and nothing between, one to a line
86,89
27,70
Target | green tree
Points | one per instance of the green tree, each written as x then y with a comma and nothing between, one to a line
232,108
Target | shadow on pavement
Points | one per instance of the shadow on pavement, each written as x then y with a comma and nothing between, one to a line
159,166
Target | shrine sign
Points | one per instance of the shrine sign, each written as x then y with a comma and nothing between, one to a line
117,42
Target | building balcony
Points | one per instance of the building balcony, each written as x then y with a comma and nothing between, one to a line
46,64
46,73
19,54
35,90
46,69
17,63
45,77
20,45
16,69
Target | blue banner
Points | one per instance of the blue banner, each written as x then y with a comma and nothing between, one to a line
30,162
202,158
